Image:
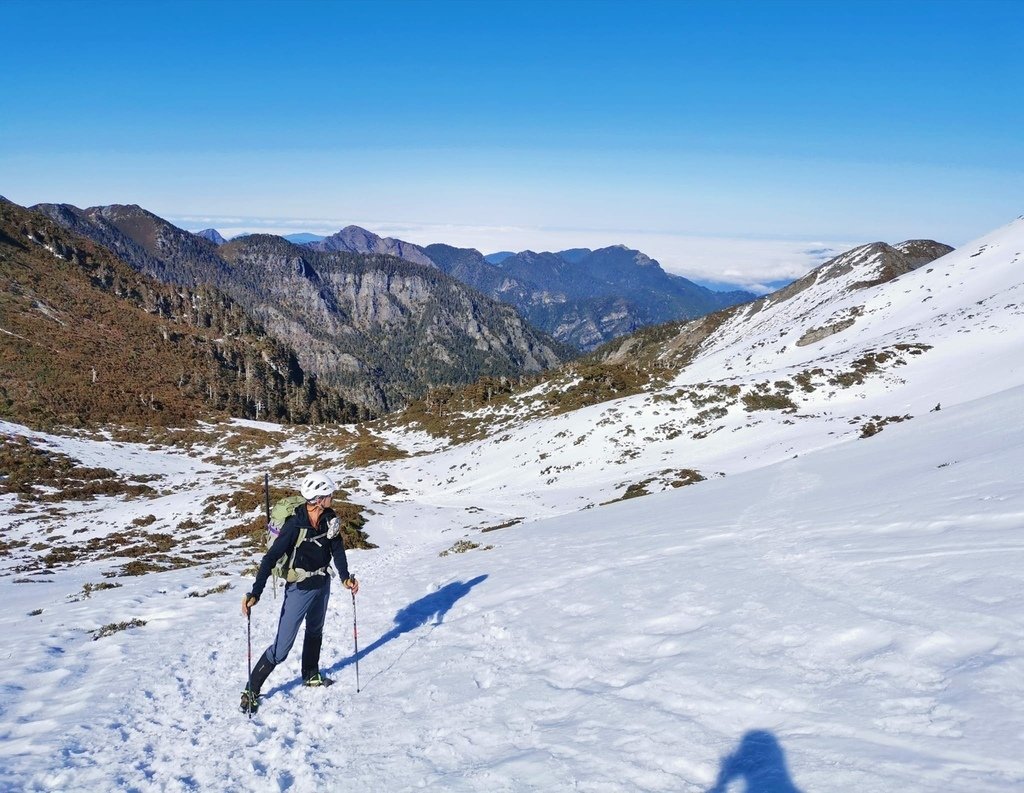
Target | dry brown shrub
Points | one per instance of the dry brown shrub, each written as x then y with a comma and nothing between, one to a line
114,627
215,590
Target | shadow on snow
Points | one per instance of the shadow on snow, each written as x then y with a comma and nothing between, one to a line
415,615
760,762
432,607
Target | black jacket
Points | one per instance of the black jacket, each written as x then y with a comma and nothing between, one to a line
312,554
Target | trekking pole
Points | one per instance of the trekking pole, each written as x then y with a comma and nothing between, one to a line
248,636
355,638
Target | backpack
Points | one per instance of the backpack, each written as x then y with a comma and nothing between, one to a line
280,512
285,568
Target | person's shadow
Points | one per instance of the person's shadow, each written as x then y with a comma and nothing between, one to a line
413,616
417,614
760,762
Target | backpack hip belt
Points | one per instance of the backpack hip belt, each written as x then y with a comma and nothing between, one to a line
285,566
297,574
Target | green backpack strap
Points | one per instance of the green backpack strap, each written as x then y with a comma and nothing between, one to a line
291,562
295,574
282,510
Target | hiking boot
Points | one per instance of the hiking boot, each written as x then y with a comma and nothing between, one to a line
250,701
317,680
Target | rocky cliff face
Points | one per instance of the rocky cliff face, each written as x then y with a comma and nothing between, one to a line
400,327
380,329
580,296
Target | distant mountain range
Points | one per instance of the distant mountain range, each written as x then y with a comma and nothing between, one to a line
302,238
582,297
379,329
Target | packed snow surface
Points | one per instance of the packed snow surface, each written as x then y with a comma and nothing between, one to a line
835,613
852,619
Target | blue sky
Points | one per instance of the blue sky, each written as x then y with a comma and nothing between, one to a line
530,125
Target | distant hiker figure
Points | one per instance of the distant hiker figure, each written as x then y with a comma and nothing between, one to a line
309,539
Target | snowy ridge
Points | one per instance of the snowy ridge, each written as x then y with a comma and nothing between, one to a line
972,286
839,606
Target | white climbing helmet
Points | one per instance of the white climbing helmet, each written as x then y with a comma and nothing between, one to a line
315,486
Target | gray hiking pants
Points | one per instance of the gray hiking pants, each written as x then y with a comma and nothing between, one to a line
309,605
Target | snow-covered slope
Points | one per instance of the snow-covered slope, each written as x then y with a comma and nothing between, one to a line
975,292
837,607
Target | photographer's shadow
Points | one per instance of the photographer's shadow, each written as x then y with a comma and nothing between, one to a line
760,762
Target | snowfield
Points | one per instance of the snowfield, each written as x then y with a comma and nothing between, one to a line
826,612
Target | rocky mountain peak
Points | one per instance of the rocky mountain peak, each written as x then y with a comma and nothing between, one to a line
584,297
498,257
575,255
356,239
920,252
212,235
878,262
120,210
375,327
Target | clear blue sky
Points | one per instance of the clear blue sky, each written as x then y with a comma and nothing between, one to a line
829,120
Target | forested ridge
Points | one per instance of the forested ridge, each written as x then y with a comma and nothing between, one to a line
85,338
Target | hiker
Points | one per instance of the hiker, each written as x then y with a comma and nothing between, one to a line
308,587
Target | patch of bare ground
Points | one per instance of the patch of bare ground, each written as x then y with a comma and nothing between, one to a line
36,473
465,545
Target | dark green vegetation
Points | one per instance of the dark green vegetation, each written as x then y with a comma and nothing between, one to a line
451,412
873,361
505,525
211,591
89,589
85,339
765,396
